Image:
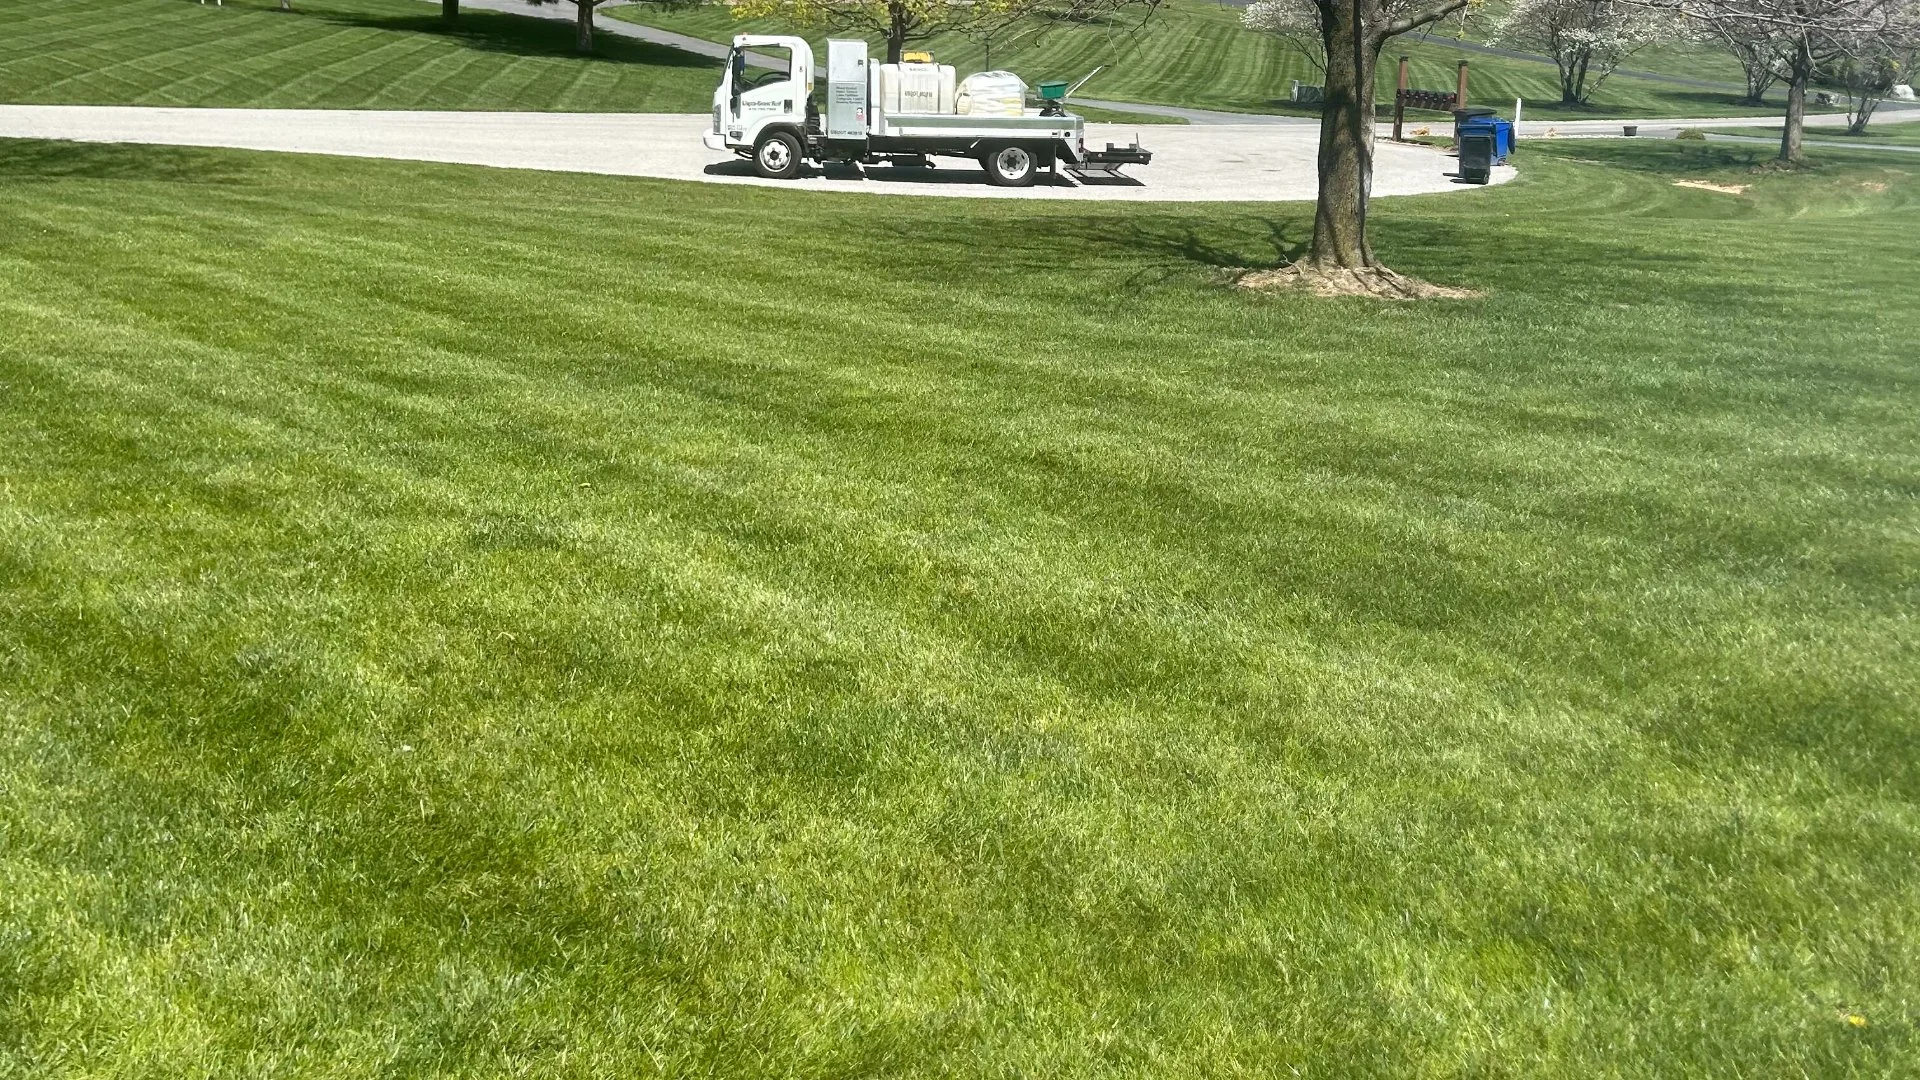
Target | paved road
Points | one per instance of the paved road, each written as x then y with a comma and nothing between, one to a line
1191,164
1219,157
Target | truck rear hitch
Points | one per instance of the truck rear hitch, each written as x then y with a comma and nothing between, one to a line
1107,162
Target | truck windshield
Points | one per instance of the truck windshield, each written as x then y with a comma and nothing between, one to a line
737,70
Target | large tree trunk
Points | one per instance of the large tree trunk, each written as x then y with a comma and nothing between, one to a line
1799,72
1862,115
450,10
1346,138
583,27
1864,89
1759,78
898,21
1564,60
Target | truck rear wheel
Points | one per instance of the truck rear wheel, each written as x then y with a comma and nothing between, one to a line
1009,164
777,155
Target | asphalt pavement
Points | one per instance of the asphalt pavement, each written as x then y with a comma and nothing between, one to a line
1201,163
1215,156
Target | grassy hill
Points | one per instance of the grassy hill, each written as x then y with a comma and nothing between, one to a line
1680,59
396,54
590,627
327,54
1196,53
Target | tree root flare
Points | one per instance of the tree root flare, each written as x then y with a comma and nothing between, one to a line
1376,282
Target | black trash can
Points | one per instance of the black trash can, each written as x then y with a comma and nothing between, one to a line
1476,156
1462,116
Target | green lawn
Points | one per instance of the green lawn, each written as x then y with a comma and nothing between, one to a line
1196,53
396,54
1904,132
467,623
328,54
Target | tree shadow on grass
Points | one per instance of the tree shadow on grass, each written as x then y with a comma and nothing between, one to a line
1703,102
1708,102
1157,248
521,35
1665,157
1268,244
35,160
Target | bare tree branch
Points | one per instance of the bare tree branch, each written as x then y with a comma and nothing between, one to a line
1418,19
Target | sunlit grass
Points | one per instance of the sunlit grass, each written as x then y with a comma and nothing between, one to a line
473,623
328,54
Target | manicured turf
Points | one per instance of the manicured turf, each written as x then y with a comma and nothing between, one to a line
328,54
1900,132
457,622
1195,53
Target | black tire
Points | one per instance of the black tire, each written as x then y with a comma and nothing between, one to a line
777,155
1009,164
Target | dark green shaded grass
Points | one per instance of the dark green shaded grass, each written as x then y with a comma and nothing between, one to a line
579,626
1196,54
329,54
1898,130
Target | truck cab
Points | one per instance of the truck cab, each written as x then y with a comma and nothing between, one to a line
749,105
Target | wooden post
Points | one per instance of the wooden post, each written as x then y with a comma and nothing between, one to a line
1400,100
1460,94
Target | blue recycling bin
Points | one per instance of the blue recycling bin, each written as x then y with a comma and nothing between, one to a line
1483,122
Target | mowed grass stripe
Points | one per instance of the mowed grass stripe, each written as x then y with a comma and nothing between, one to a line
261,50
440,73
257,63
327,53
345,81
133,44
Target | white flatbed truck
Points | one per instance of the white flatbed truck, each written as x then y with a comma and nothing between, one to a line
774,121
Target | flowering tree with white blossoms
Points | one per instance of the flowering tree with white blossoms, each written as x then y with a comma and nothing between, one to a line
1586,38
1295,21
1805,36
1762,66
1872,67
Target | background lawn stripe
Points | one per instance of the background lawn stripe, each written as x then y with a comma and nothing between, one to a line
328,53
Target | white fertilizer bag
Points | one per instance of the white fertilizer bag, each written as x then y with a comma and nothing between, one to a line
991,93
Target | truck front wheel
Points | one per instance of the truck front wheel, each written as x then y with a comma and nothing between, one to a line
777,155
1009,164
